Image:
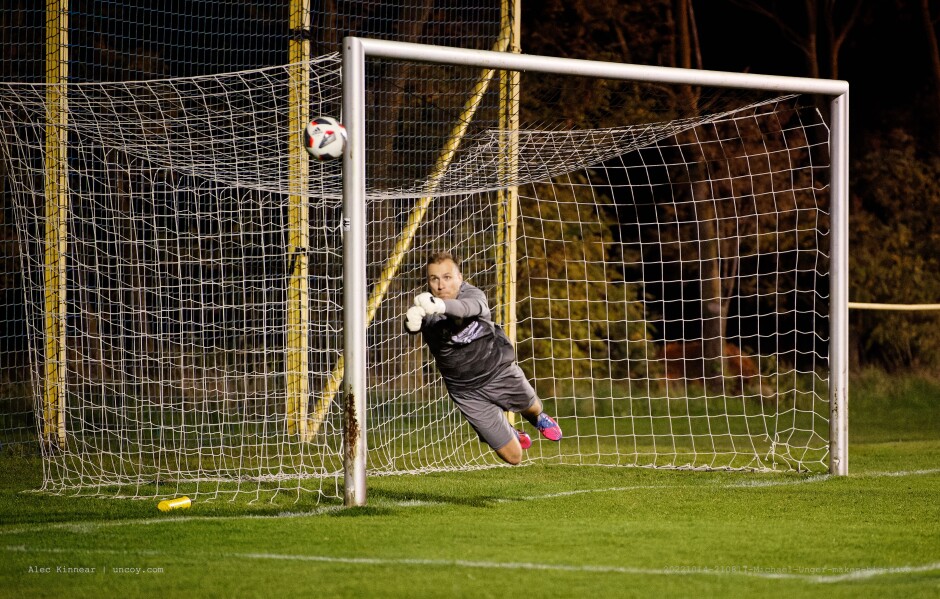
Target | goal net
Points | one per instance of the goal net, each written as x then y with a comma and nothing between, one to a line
659,253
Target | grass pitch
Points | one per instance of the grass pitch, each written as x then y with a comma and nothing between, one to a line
539,531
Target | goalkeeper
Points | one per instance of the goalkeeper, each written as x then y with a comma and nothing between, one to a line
476,360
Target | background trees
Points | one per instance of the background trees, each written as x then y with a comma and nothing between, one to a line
888,51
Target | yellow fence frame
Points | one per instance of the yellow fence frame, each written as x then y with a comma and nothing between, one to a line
297,350
56,224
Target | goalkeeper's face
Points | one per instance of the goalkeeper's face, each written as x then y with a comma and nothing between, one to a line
444,279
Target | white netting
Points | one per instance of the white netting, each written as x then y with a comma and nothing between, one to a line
672,297
178,267
641,249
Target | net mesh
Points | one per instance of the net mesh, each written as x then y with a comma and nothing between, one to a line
131,40
671,292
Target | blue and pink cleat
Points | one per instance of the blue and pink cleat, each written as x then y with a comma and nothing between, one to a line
548,427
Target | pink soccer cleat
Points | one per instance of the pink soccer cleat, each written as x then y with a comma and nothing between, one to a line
548,427
524,439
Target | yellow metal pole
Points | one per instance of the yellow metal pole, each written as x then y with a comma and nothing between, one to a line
509,165
297,354
56,231
405,239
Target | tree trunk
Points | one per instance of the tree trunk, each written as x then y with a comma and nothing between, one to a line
389,98
706,215
687,97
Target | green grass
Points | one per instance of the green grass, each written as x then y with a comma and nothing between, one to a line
537,531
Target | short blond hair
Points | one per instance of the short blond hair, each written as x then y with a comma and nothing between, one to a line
438,257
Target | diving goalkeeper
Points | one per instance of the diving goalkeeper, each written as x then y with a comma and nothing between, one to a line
476,360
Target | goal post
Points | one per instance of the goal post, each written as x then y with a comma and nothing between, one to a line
358,50
839,311
620,237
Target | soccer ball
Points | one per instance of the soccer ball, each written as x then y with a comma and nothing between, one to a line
325,138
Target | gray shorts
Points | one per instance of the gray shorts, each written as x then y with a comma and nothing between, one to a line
485,408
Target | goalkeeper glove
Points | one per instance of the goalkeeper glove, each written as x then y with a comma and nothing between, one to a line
413,319
429,303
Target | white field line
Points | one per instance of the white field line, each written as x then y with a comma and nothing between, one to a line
805,574
782,573
183,517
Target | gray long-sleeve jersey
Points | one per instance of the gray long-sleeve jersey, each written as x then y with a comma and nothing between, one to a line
469,349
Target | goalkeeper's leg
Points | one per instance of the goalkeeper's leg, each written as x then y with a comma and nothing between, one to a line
514,384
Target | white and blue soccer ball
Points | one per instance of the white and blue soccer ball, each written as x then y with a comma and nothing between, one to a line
325,138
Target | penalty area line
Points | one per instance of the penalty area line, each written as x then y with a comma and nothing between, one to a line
805,574
800,573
